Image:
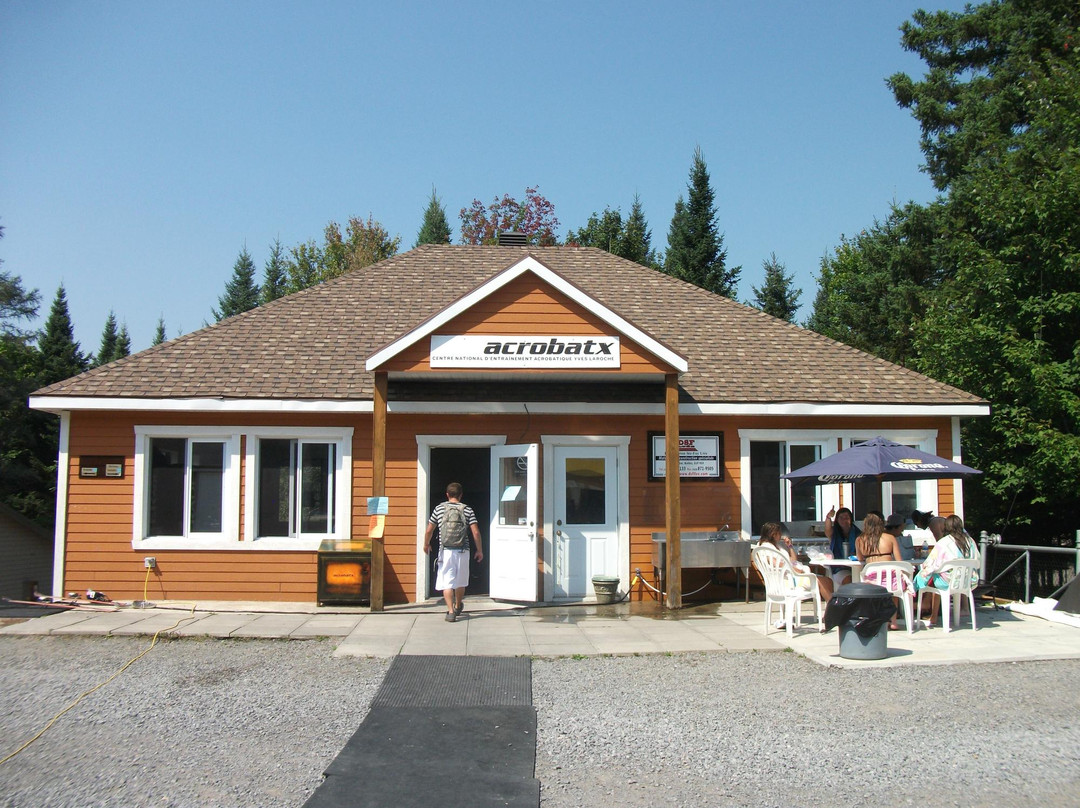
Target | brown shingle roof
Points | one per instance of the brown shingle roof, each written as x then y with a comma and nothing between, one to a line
312,345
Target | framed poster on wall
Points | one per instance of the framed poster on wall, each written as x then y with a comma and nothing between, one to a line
701,456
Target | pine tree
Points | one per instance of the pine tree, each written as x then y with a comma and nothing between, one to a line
274,275
696,251
123,344
435,229
159,332
107,349
241,292
59,353
775,296
636,242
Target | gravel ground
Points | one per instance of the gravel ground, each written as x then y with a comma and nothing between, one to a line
203,722
763,729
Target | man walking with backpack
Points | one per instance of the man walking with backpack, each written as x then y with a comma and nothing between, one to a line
455,521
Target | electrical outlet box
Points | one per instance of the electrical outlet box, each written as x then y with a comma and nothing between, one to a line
150,562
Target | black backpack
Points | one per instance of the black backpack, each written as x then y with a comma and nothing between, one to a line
452,527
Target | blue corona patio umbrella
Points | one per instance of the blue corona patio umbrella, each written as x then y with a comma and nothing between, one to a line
878,460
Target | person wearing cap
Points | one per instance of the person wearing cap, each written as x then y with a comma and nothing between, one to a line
894,526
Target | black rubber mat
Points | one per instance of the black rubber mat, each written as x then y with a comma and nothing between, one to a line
456,681
446,731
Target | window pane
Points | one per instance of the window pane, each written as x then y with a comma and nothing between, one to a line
275,487
512,490
317,488
585,495
904,499
166,487
804,498
764,483
207,475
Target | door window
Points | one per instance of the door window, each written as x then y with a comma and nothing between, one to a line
586,500
513,490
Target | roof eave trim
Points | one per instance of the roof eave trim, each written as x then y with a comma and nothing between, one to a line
90,404
527,264
93,403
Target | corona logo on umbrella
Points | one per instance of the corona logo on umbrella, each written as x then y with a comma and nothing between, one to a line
879,459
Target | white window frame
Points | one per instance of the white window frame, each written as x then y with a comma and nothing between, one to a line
341,438
230,489
926,491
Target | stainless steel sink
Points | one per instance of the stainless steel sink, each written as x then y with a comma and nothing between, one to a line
703,549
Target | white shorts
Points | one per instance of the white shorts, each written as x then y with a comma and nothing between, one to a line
453,570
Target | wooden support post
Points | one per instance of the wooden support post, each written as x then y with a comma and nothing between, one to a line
378,484
674,504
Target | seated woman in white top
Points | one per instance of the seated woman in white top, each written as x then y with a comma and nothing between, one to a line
954,544
772,535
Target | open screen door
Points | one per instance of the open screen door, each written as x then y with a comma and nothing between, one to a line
512,541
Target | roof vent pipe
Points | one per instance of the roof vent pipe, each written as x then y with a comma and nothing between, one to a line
511,238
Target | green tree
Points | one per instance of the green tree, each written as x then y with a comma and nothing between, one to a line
535,217
59,354
274,283
999,110
696,251
107,351
627,238
241,291
123,343
304,267
435,228
365,242
776,295
159,332
604,231
636,242
24,478
873,288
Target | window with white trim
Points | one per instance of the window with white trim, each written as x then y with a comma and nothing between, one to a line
773,499
296,487
187,485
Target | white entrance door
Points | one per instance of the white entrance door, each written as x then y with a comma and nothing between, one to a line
585,521
512,548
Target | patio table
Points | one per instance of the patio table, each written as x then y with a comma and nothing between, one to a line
854,566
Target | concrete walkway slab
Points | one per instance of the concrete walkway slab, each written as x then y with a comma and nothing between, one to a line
327,625
493,629
271,626
102,624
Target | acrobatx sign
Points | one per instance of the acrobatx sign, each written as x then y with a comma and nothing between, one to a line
490,351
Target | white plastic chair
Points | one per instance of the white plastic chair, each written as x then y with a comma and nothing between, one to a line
783,587
963,575
897,577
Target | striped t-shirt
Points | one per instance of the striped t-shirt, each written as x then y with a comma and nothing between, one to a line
470,519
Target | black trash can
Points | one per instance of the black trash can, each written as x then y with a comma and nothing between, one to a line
862,612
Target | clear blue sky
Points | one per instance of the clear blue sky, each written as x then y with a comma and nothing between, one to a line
143,144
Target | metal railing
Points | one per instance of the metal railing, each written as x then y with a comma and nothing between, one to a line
1043,576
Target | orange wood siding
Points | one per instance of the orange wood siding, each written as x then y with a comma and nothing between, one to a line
528,307
99,554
